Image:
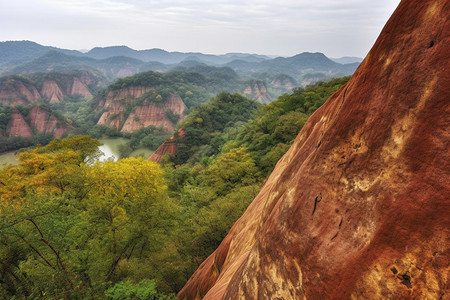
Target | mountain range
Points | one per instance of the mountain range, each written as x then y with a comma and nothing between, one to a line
24,57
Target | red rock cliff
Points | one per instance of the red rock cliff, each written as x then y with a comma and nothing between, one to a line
51,90
79,88
17,126
17,92
44,122
168,147
358,208
149,113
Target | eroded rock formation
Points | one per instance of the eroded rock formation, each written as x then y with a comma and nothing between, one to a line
358,208
17,92
155,114
37,120
143,115
17,126
43,122
51,90
169,147
258,91
79,88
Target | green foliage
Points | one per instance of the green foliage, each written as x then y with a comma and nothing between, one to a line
146,289
269,135
86,147
130,229
70,228
172,116
5,113
150,137
206,122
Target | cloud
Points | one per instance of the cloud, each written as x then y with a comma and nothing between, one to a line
283,27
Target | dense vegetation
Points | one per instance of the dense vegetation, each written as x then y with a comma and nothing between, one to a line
194,85
208,121
72,227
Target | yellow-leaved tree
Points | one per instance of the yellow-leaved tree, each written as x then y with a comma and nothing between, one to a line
70,227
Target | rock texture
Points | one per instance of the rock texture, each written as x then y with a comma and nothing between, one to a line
51,90
38,120
43,122
257,90
146,114
155,114
79,88
17,126
17,92
168,147
358,208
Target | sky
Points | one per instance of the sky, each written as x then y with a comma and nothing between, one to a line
270,27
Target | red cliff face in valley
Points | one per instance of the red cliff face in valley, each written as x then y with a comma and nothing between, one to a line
115,105
155,114
149,113
51,90
79,88
43,122
18,93
168,147
17,126
358,208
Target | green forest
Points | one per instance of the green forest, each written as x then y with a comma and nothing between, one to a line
73,227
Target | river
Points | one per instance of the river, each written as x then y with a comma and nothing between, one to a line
110,149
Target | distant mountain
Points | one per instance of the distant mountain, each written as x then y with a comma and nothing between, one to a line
16,52
347,60
111,68
171,57
302,67
24,57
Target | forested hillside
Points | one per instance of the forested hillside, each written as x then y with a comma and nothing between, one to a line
73,226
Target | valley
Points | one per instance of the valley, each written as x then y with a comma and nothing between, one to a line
154,174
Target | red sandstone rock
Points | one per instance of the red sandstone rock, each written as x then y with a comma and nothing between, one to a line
16,92
142,116
43,122
51,90
168,147
79,88
155,114
115,105
17,126
358,208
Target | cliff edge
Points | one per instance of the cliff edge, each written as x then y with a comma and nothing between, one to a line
358,208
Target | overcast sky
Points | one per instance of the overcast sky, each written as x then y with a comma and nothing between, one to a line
272,27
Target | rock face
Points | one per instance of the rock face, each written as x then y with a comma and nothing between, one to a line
358,208
39,121
168,147
43,122
79,88
17,92
17,126
155,114
51,90
143,115
258,91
